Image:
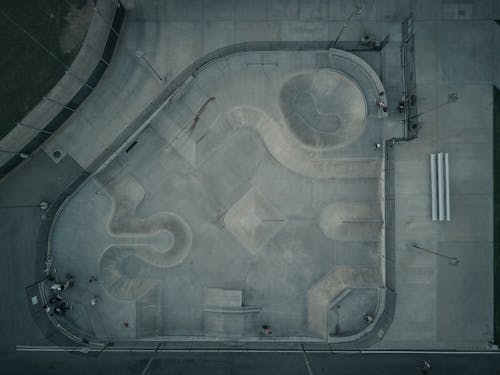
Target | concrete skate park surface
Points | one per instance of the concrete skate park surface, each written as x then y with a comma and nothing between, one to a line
253,198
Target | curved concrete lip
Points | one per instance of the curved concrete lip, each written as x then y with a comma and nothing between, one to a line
324,108
351,221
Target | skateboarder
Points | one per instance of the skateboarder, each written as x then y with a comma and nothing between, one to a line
401,106
426,368
61,285
48,309
95,300
369,318
62,308
55,300
381,104
267,329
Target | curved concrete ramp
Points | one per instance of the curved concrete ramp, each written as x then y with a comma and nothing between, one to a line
324,108
118,262
352,221
332,285
292,154
112,268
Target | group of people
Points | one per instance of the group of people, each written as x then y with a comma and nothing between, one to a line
61,285
382,106
56,303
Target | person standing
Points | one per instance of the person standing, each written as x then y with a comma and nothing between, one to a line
267,329
95,300
61,285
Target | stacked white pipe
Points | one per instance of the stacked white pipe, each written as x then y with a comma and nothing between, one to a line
440,186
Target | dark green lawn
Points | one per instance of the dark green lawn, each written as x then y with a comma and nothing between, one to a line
27,71
496,210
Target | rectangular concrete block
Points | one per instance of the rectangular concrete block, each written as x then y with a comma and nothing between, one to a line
223,297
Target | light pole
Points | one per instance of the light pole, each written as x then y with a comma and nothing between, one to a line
452,98
35,128
58,103
453,261
95,52
356,10
140,54
107,21
22,155
44,48
306,360
44,205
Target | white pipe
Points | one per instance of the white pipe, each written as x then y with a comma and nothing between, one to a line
447,183
440,176
433,187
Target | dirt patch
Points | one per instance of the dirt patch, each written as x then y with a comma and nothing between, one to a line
77,23
39,40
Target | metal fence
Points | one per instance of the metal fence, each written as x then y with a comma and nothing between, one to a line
409,79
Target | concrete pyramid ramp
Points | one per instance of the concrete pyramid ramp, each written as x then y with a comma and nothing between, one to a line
254,221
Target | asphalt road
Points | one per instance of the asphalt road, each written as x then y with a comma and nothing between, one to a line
245,363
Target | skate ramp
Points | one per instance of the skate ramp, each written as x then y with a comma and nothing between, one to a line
324,108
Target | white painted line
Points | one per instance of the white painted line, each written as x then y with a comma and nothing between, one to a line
441,193
447,184
147,366
433,187
298,350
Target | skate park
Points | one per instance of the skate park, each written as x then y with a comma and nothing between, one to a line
264,208
233,168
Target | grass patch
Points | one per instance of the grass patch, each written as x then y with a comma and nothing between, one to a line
27,71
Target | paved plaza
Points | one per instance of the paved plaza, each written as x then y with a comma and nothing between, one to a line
255,196
235,184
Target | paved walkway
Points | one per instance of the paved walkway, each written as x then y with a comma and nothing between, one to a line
440,305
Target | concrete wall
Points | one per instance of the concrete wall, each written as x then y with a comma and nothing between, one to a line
497,51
